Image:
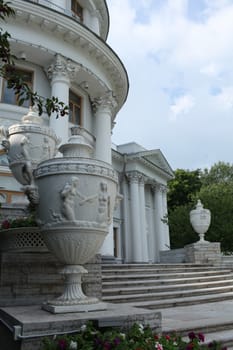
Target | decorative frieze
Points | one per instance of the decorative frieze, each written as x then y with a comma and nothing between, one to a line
54,167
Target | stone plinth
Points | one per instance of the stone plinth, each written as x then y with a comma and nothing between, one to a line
33,278
23,328
203,253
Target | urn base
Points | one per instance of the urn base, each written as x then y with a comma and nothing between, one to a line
89,307
73,299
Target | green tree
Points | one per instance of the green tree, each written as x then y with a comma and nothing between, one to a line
220,172
181,232
182,187
15,80
218,198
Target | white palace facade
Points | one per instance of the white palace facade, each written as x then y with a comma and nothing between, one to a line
62,51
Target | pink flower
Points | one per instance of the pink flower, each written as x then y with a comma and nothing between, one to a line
201,337
158,346
191,335
62,344
189,346
5,224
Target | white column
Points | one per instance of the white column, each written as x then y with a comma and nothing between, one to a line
153,249
59,73
135,217
127,239
144,237
158,203
107,248
103,107
165,223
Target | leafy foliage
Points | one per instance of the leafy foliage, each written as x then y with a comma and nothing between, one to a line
181,231
182,187
214,187
218,198
219,173
15,80
137,338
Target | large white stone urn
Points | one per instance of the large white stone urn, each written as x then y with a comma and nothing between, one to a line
200,220
77,195
27,144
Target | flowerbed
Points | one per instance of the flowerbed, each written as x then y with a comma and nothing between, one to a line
27,221
137,338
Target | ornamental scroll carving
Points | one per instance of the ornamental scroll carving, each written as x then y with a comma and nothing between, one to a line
64,67
135,177
106,101
158,187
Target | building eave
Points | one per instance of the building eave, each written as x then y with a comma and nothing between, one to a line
79,35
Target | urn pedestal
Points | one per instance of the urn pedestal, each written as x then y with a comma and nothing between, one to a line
76,201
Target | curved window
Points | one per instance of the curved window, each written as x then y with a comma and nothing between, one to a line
75,103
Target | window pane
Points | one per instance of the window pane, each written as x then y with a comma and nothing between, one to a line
76,115
71,112
75,108
8,95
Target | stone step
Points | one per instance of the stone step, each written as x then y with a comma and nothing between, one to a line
162,281
179,294
184,301
151,266
135,276
145,289
158,270
214,320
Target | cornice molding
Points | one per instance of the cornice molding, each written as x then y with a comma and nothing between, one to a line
74,32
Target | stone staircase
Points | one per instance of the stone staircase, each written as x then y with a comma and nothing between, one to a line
171,287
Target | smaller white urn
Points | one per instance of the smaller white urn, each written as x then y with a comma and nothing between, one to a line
200,220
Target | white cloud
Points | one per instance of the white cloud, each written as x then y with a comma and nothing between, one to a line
167,50
212,70
225,98
182,105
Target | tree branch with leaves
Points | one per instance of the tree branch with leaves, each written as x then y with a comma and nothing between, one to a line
15,80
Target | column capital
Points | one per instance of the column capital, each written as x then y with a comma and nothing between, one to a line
104,102
134,176
142,179
157,187
62,68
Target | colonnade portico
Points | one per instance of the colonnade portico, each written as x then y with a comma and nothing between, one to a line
140,239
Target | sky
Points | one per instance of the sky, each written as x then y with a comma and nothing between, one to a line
179,59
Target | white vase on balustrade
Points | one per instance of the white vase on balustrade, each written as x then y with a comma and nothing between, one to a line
77,196
200,219
27,144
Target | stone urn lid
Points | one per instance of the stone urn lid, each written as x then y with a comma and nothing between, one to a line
32,117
